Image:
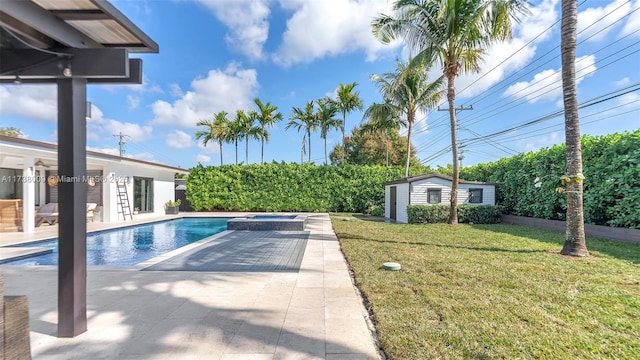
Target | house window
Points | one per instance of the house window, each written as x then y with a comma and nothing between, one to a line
433,196
143,194
475,196
11,184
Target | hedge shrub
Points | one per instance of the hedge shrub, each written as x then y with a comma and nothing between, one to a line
431,214
611,166
290,187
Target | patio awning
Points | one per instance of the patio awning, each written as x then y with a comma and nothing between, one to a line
47,39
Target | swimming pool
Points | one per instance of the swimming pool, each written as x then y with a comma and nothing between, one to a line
131,245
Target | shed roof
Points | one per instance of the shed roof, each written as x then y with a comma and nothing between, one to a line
411,179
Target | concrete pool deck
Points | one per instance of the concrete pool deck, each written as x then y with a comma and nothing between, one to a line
314,313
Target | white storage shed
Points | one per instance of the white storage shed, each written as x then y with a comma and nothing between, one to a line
432,189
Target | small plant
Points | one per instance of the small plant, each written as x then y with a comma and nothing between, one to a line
172,204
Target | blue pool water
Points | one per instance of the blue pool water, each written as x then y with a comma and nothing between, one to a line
131,245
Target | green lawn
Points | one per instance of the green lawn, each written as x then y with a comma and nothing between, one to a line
494,291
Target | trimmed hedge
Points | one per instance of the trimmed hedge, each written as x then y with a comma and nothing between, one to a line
290,187
432,214
611,166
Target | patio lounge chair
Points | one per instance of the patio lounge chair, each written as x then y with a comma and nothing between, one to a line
91,208
47,212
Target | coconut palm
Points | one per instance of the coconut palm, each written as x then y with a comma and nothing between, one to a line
406,91
304,120
235,131
248,129
267,115
455,34
574,243
383,118
347,102
325,117
217,130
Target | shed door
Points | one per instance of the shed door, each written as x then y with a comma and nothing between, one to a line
392,200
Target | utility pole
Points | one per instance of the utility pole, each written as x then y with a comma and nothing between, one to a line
121,142
459,108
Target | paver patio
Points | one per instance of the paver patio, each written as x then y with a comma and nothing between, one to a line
311,314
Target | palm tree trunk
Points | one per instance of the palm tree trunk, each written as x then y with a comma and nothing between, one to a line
386,137
262,152
410,121
574,243
236,152
220,153
309,139
451,97
246,151
344,149
325,150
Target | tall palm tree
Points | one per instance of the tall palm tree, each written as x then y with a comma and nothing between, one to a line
304,120
217,130
347,102
248,129
406,90
383,118
574,243
235,131
325,117
267,115
455,34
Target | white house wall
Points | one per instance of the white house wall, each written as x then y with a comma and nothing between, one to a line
163,187
419,192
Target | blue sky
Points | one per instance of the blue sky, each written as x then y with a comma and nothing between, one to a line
220,55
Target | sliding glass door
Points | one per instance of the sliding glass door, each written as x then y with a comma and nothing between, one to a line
143,194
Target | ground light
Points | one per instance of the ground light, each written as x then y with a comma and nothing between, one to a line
391,266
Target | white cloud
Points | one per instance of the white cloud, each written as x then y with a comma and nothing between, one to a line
622,82
100,127
247,23
633,22
596,21
326,28
630,99
39,102
543,141
175,90
212,147
133,102
230,89
547,85
201,158
179,139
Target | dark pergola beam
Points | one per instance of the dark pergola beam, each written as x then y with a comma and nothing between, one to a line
135,77
94,63
81,14
33,37
48,24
